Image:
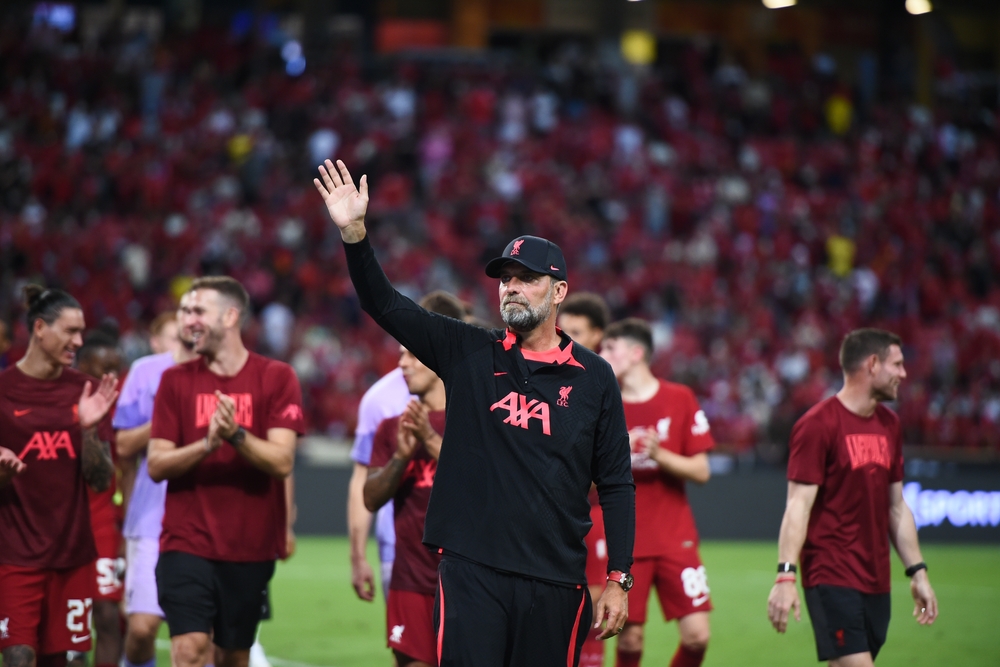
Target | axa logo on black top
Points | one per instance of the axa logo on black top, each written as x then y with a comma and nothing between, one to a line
521,410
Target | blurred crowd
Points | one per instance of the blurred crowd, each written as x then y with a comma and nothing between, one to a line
754,219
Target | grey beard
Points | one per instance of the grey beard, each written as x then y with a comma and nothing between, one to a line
526,318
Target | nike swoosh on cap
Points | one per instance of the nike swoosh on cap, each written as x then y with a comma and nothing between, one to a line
554,268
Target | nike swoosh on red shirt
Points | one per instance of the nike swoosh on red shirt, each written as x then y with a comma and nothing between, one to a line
21,413
77,639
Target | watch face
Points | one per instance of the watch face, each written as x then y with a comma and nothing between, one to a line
623,579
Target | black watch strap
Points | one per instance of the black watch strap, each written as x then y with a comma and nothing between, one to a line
916,567
787,567
237,439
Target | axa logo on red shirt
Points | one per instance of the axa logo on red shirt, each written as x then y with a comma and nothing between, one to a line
47,445
291,411
422,471
205,407
521,411
865,448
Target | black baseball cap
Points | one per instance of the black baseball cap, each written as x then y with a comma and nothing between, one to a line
534,253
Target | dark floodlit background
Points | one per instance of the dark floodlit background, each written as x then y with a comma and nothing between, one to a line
755,181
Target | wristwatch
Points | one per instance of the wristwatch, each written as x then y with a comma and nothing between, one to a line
237,438
623,579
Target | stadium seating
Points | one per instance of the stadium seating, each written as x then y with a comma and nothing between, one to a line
755,220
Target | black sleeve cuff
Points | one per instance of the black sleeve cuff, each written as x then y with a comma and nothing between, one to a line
618,505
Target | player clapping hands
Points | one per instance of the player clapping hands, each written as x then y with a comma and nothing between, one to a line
223,423
95,403
415,420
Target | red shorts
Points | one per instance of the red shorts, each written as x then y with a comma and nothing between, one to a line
680,583
597,549
110,566
48,610
410,625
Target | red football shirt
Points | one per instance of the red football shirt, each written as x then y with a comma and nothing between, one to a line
415,567
664,524
225,508
853,459
44,514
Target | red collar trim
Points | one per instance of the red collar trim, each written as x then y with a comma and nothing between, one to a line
509,341
556,355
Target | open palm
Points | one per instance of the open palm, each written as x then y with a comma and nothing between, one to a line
94,406
345,202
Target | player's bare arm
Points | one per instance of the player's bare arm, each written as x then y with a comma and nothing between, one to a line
359,523
19,656
383,483
166,460
95,457
612,606
10,465
275,455
345,202
131,441
292,515
694,468
784,595
903,533
416,419
95,461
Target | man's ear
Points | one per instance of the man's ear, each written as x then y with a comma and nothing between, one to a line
560,291
232,317
871,363
637,352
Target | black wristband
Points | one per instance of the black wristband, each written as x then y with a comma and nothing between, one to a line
913,569
237,438
787,567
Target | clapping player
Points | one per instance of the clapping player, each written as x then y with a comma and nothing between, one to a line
670,439
51,449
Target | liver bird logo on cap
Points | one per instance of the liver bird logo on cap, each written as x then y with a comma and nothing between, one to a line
516,250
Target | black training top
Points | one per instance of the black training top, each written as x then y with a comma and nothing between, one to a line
523,441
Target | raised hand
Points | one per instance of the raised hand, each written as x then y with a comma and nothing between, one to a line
415,418
406,443
346,203
94,406
225,409
213,440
